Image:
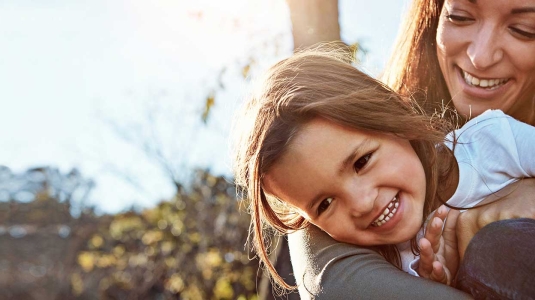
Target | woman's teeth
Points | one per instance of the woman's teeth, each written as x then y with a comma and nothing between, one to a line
483,83
388,213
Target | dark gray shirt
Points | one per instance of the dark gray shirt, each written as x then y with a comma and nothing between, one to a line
327,269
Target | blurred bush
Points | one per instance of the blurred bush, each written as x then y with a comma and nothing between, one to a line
190,247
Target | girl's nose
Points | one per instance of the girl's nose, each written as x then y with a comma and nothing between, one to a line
361,201
485,50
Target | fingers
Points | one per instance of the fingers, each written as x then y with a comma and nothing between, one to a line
427,257
433,233
449,236
439,273
442,212
429,266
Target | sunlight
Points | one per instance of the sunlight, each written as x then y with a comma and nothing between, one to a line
212,31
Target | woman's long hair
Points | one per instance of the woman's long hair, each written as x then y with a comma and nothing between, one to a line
322,83
414,68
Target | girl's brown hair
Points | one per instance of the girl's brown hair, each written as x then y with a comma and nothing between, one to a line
414,68
321,83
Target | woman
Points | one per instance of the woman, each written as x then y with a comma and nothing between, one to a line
468,54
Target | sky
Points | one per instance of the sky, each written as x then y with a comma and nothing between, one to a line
87,84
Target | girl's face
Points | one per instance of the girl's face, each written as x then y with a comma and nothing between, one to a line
360,187
486,51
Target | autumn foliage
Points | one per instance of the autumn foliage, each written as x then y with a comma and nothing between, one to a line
189,247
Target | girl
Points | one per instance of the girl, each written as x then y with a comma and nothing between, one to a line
323,143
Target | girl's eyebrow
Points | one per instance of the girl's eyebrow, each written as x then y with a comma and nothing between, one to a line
348,161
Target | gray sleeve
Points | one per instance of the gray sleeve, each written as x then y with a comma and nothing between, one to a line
326,269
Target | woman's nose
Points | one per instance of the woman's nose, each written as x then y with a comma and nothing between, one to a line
485,50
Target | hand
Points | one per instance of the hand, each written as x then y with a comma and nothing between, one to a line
439,258
513,201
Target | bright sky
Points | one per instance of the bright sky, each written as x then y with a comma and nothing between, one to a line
70,68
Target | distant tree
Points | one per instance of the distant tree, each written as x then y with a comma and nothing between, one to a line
314,21
190,247
39,236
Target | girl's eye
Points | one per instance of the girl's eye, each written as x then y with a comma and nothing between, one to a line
456,19
324,205
523,34
361,162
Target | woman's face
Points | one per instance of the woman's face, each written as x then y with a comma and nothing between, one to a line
486,51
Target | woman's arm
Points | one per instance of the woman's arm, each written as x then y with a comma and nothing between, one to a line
518,201
515,200
326,269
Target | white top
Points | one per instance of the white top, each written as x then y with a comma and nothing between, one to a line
492,150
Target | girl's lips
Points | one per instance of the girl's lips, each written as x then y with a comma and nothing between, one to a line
387,213
397,216
475,88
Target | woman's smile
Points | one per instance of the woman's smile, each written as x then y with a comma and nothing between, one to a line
482,87
485,52
484,83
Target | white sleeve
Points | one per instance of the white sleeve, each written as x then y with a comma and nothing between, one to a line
492,151
524,137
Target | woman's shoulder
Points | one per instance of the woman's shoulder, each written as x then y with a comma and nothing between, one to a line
327,269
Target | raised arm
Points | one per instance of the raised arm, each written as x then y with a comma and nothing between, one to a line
326,269
516,200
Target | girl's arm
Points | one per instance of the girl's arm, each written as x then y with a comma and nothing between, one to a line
516,200
327,269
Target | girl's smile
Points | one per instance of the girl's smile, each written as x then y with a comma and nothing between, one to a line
388,213
360,187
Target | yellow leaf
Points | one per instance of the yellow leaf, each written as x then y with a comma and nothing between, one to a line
171,262
174,284
151,237
167,247
77,284
245,71
86,261
118,250
106,260
210,101
223,289
97,241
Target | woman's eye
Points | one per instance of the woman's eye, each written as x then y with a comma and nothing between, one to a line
523,34
458,19
361,162
324,205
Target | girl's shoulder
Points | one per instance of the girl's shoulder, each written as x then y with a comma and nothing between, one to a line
492,122
490,115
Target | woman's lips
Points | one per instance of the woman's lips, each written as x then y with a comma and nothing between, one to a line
482,88
486,83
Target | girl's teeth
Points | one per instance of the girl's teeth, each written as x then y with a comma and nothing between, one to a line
484,83
388,213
